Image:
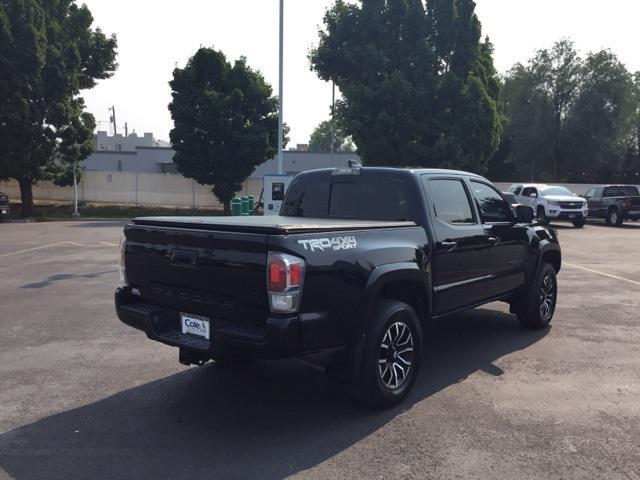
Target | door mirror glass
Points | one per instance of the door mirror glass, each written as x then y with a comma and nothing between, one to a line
524,213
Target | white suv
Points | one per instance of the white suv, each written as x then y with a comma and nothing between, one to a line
552,202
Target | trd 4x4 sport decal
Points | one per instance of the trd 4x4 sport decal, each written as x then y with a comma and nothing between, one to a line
335,243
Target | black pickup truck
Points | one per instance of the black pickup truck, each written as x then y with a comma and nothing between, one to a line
614,203
357,261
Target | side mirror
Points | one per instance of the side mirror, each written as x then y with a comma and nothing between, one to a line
533,195
524,213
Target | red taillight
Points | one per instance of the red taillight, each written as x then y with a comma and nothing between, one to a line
295,275
285,276
277,279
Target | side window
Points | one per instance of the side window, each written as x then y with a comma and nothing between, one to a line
589,193
450,201
492,206
528,191
516,189
598,192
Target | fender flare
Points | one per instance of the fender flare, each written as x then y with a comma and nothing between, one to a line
545,247
391,273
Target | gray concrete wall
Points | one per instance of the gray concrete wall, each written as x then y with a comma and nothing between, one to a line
149,160
142,160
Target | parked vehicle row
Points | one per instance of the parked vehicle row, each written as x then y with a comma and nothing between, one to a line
614,203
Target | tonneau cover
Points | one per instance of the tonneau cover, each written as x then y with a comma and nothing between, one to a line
268,224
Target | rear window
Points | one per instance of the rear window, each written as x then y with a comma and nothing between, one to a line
365,197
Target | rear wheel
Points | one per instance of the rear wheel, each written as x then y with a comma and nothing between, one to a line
392,355
614,218
535,309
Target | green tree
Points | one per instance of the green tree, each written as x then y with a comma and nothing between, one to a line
570,119
225,119
48,54
321,139
419,86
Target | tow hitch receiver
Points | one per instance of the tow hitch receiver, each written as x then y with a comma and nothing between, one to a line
190,358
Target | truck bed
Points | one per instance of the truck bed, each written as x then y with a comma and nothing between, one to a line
272,225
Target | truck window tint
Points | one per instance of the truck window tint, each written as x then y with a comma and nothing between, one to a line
372,198
306,198
492,206
450,201
359,197
622,191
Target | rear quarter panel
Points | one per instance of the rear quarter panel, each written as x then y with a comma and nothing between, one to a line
340,266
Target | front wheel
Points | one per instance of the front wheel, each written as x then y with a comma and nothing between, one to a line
392,354
579,222
536,308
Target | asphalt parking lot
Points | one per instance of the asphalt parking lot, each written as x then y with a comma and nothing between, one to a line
83,396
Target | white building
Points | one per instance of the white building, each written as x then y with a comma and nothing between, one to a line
129,143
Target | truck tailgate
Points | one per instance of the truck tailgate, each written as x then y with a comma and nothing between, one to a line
217,274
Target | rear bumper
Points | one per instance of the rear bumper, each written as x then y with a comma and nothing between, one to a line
279,337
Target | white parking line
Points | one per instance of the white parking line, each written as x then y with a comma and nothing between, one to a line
597,272
33,249
59,244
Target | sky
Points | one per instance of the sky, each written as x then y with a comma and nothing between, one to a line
156,36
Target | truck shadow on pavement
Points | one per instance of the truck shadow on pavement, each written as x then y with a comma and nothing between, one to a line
65,276
264,420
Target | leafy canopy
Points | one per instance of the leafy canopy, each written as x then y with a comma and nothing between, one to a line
571,119
225,121
321,139
419,86
48,54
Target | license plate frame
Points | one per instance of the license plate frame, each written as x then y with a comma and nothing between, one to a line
196,325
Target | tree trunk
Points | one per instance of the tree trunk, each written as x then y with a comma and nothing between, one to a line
226,204
26,194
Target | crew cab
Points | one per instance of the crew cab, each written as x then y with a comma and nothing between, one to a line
4,206
358,260
614,203
552,202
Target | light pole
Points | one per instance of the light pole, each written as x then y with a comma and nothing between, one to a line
333,122
75,190
280,93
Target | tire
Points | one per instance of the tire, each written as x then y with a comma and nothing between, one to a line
614,218
542,216
536,308
395,337
579,222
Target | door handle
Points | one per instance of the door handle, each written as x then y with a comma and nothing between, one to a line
493,241
449,246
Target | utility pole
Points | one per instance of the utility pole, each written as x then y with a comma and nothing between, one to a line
280,94
75,190
113,120
333,122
